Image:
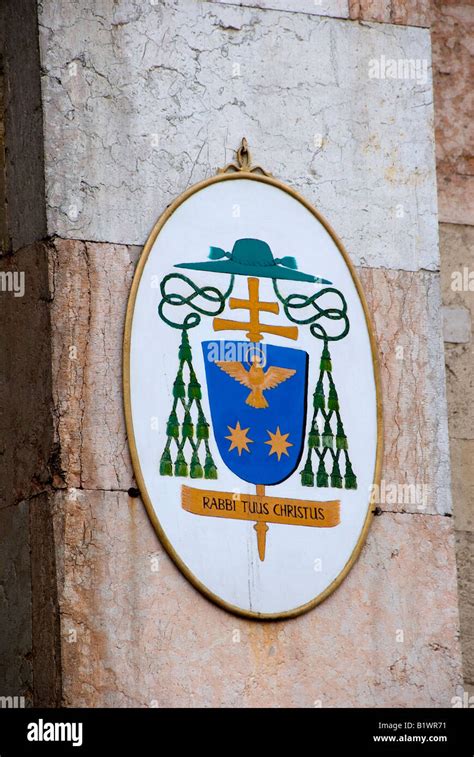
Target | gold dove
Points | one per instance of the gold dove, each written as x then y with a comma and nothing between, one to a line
256,379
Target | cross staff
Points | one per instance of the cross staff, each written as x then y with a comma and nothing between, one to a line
255,307
255,334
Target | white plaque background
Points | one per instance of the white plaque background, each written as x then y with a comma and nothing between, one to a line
300,562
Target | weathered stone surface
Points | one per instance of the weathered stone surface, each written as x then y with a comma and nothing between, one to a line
457,275
45,609
457,269
133,121
456,324
91,283
15,603
26,435
465,563
409,12
406,312
135,632
453,73
462,477
460,384
24,209
335,8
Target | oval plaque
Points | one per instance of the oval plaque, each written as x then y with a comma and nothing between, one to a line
252,398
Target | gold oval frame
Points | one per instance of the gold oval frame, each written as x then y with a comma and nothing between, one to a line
265,179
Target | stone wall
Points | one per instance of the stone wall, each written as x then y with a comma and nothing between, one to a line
24,166
26,431
457,248
136,634
453,68
141,100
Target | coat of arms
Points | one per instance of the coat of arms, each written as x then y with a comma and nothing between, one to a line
254,427
257,392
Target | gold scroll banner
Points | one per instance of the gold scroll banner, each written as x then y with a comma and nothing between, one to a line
260,507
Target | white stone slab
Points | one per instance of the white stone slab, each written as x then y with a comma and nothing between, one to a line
335,8
144,100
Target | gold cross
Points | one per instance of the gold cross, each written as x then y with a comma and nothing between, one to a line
255,307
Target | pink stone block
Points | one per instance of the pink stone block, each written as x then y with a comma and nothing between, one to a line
143,636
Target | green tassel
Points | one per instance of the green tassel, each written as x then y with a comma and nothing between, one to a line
194,388
184,352
341,438
172,427
202,428
196,467
350,477
333,401
307,475
166,465
318,396
336,478
180,466
322,478
328,437
326,364
187,427
314,440
178,386
210,470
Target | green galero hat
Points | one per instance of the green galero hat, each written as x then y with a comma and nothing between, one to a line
252,257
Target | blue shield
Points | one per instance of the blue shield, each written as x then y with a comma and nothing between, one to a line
257,396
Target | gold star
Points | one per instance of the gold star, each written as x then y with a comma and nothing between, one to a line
278,443
238,438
